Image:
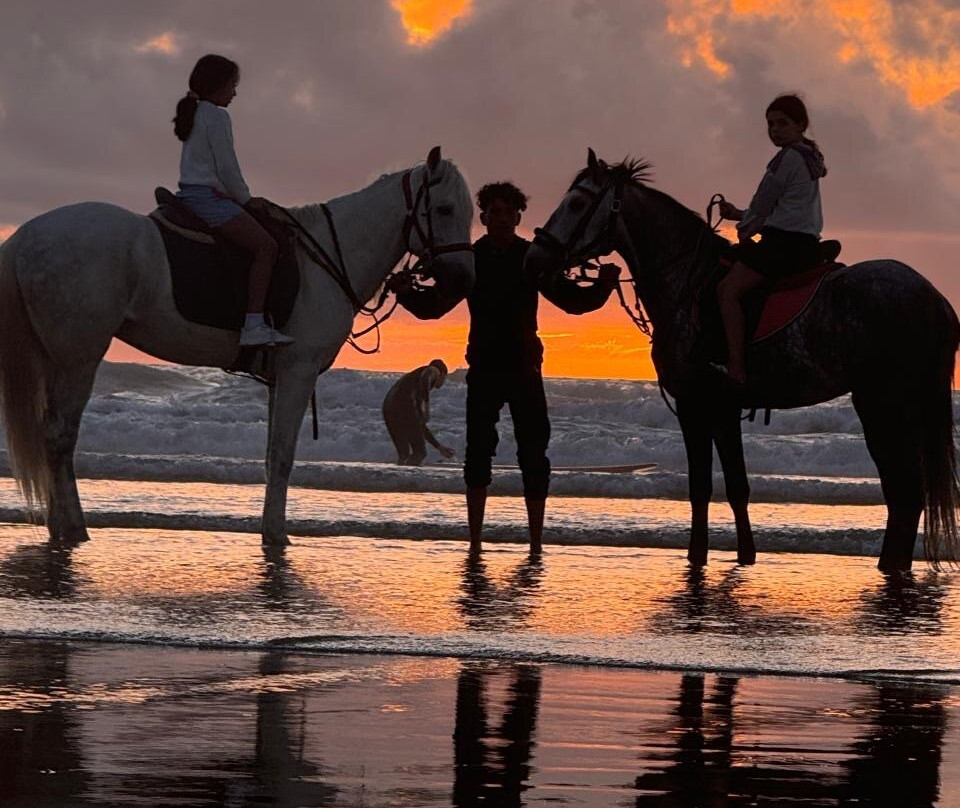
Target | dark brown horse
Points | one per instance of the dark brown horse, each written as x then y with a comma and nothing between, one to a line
867,320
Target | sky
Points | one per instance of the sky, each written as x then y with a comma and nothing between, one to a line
336,92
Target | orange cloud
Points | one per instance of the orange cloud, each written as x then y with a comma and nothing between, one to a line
6,230
165,43
425,20
869,31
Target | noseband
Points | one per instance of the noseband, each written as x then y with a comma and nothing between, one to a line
603,243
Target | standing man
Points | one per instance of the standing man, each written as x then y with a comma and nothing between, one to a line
406,410
505,355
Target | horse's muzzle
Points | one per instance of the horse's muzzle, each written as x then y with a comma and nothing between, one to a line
452,274
541,260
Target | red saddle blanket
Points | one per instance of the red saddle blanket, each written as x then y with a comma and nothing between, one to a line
789,298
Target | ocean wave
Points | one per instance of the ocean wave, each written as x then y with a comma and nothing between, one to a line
160,410
462,645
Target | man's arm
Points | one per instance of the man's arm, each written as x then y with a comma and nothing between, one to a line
425,385
571,297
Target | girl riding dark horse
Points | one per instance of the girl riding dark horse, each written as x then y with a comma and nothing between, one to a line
866,320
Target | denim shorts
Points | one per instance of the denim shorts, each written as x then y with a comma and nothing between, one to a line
205,202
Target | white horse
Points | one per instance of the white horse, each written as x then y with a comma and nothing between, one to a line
76,277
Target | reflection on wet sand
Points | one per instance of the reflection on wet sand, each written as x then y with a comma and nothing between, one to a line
88,725
42,761
41,570
894,759
903,603
280,773
490,605
491,761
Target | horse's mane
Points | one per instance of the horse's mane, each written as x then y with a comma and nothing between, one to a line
632,170
637,173
451,174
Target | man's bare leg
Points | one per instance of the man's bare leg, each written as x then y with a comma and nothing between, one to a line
476,507
535,513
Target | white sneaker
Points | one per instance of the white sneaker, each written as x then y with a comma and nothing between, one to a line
280,339
257,336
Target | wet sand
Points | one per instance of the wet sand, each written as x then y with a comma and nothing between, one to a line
96,724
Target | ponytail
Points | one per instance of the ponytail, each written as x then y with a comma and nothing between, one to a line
186,112
211,73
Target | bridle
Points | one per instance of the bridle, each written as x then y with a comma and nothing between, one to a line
411,224
602,244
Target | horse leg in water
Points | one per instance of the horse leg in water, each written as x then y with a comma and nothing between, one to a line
698,441
290,397
892,431
68,390
729,441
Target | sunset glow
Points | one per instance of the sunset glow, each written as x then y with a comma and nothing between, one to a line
6,230
425,20
165,43
927,69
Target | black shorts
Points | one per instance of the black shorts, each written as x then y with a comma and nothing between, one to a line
779,253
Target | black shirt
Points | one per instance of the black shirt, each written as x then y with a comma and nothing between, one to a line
503,307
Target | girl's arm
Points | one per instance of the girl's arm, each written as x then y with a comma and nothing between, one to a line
768,193
225,156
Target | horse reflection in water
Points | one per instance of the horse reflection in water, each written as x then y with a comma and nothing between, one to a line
41,758
893,760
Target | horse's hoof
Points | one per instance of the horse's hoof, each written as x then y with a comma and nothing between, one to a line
697,558
747,559
890,566
69,538
275,541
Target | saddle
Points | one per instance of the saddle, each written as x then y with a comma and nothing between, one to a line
768,309
209,275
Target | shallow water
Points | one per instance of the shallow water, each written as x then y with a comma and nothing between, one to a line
620,521
800,614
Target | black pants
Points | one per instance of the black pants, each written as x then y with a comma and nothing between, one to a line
522,391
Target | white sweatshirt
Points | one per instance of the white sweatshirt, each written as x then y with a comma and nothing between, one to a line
208,157
788,198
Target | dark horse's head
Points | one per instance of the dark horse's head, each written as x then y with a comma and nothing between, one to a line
588,223
437,232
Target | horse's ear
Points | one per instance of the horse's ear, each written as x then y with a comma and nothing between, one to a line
595,165
433,159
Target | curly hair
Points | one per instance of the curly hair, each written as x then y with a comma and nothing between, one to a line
504,191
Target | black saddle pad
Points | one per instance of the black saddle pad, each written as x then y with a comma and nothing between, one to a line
210,278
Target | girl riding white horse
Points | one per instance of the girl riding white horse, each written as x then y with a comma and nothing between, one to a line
74,278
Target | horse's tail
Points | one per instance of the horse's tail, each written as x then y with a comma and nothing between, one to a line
23,389
939,461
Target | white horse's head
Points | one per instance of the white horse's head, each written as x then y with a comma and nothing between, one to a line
437,231
587,224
